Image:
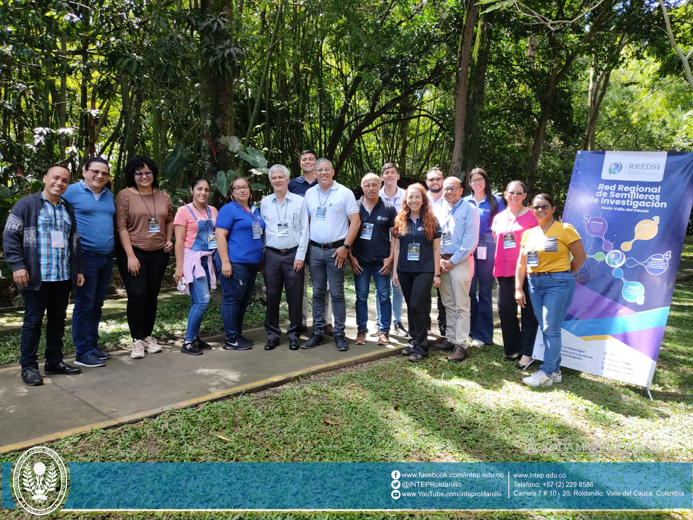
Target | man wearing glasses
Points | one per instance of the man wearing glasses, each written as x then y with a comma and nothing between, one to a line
334,224
434,181
459,224
94,211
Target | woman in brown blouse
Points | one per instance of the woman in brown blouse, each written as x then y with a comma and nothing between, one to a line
144,221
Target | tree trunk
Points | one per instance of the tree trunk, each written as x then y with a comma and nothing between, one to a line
62,104
463,59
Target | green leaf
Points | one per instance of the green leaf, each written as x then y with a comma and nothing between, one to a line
5,192
176,162
253,157
233,143
222,183
257,186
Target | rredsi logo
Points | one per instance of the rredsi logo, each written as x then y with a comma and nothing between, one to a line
634,166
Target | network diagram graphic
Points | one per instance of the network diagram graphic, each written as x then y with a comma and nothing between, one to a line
656,264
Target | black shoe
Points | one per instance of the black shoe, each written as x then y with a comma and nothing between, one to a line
415,358
512,358
444,345
32,377
202,345
520,366
399,329
271,344
329,330
190,347
61,368
235,344
294,344
314,341
245,341
341,343
407,351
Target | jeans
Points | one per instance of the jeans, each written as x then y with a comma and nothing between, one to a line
482,306
397,301
143,289
551,295
199,293
322,270
417,291
89,299
236,292
362,283
51,298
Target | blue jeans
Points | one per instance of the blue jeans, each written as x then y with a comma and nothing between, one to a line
397,301
362,283
322,269
551,295
89,299
236,292
199,293
482,306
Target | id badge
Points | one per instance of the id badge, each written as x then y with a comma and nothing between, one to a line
367,231
446,238
532,258
57,239
414,252
481,253
153,225
257,230
509,241
283,229
322,211
211,241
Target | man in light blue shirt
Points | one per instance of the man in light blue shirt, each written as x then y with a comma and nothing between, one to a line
459,224
94,211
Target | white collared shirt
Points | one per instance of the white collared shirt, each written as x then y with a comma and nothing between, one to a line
397,200
339,202
292,210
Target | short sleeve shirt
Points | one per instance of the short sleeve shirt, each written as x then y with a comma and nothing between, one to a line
243,248
550,247
376,225
133,212
184,217
338,203
417,235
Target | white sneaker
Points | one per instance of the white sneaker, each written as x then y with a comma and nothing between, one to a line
151,345
477,343
539,378
137,349
557,376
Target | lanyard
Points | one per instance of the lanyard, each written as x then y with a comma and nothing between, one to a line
286,210
145,203
55,216
329,192
256,219
451,213
415,228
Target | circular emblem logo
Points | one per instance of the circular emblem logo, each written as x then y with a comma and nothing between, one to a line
379,217
40,481
615,168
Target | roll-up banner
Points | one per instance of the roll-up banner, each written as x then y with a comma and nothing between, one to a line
631,210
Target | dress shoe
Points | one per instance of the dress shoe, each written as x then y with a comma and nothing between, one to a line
522,367
32,377
329,330
235,344
60,369
294,344
512,358
444,345
361,337
383,338
314,341
271,344
459,354
341,342
415,358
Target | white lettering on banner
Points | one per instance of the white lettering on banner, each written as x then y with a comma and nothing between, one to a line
634,166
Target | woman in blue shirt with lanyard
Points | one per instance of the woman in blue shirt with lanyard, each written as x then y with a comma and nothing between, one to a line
239,241
196,243
487,205
417,264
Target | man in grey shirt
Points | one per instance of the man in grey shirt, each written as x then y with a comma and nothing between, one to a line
286,242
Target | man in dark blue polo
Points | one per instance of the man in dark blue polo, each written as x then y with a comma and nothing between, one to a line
372,256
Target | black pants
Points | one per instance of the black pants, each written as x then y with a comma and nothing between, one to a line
417,293
514,340
51,298
442,322
279,273
143,289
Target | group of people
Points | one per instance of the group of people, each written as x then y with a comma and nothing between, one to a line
407,241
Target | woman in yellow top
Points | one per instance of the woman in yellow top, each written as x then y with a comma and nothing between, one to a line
545,255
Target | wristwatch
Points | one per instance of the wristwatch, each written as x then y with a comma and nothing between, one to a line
346,246
436,276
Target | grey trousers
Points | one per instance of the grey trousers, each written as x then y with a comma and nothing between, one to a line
324,271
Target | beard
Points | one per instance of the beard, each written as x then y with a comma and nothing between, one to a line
437,190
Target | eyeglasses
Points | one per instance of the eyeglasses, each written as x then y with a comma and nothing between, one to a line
451,188
97,173
239,188
476,181
142,174
370,186
541,207
515,193
323,170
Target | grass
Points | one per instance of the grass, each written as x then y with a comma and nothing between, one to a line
393,410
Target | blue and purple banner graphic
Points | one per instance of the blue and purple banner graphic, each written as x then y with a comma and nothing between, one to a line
631,210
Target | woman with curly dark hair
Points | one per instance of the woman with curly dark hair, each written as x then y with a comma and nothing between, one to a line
417,264
144,221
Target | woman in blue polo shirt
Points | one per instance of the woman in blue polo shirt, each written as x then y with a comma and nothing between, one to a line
239,231
488,206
